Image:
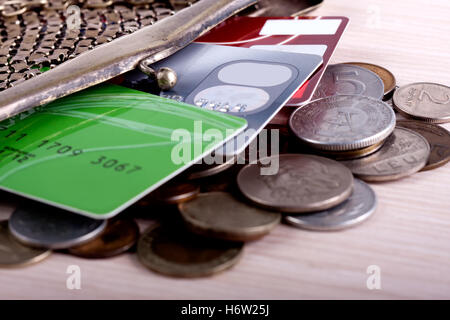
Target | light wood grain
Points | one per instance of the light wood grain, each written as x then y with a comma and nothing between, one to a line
408,237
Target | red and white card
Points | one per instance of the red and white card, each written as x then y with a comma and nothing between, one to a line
313,35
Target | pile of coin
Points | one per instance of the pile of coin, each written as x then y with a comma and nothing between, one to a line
352,124
348,129
34,230
204,217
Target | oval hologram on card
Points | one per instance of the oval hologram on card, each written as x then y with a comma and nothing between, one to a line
255,74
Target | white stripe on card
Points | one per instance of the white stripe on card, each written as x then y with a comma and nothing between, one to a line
299,27
318,49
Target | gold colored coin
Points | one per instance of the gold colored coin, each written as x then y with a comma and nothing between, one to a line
386,76
173,251
224,181
352,154
438,138
220,215
15,254
174,192
203,170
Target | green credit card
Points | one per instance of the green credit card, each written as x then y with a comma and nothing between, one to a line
100,150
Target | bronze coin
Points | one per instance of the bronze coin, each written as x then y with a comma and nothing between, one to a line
223,184
405,152
302,183
118,237
283,132
386,76
220,215
152,211
282,117
14,254
174,192
437,137
204,170
175,252
224,181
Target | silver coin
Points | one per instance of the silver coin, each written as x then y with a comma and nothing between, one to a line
47,227
405,152
343,123
359,207
303,183
349,79
424,101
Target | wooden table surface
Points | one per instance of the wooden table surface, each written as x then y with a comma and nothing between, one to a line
408,237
